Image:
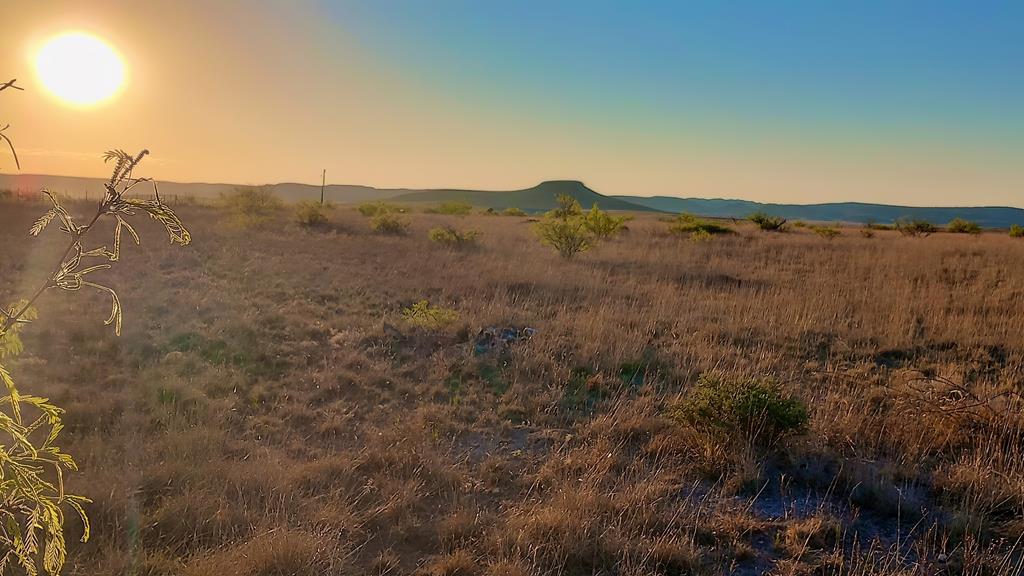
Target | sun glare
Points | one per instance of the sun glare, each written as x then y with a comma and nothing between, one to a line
79,69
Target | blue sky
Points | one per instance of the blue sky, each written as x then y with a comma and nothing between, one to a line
929,79
906,102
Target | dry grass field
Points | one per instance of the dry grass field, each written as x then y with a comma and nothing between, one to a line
268,411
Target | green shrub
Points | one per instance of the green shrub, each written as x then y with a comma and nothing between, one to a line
914,227
755,409
697,228
33,500
512,211
826,232
767,222
454,208
423,315
452,238
1016,231
370,209
867,232
311,214
961,226
389,223
801,224
603,225
568,236
250,206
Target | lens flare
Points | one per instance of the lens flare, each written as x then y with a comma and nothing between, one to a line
80,69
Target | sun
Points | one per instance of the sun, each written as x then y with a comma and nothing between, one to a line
80,69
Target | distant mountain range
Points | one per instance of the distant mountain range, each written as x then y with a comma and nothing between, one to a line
855,212
542,197
537,199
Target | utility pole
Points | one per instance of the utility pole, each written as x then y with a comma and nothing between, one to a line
323,181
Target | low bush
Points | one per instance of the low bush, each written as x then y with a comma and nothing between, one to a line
872,225
568,236
454,208
452,238
914,227
603,225
251,206
512,211
311,214
370,209
423,315
961,226
758,410
697,228
388,223
565,228
767,222
826,232
1016,231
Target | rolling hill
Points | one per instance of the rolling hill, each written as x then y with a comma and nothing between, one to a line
536,199
855,212
288,191
542,197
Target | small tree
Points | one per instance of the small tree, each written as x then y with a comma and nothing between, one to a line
512,211
1016,231
565,228
568,207
768,223
32,496
961,226
603,225
568,236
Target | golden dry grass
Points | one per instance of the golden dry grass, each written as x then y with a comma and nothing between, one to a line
267,412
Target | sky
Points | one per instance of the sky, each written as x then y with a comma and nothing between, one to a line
907,102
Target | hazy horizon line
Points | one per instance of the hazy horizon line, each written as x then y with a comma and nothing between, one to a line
540,182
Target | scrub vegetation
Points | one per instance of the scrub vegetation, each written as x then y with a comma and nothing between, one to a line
287,403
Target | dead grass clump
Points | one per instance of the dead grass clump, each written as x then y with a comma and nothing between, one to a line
818,532
278,552
457,563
